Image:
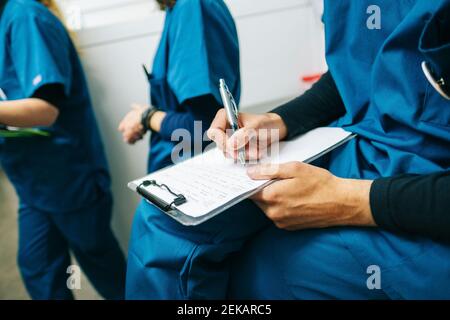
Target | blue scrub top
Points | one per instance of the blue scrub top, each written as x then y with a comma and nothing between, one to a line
67,171
402,122
199,45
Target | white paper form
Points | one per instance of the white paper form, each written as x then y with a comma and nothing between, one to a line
210,181
207,181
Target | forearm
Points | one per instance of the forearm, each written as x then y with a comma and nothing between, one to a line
317,107
353,205
156,121
410,203
27,113
413,204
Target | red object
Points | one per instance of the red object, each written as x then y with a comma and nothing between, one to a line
311,78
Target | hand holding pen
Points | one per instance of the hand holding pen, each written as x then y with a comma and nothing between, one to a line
254,135
232,113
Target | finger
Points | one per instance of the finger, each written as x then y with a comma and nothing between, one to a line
241,138
260,204
139,129
129,136
274,192
252,153
255,152
137,133
274,171
230,155
219,137
121,126
217,131
257,197
219,123
135,138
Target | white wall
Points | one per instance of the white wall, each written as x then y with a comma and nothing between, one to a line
96,13
280,41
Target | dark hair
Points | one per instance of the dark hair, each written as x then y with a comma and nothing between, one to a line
166,4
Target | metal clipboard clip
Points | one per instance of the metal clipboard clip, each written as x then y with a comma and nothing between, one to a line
161,204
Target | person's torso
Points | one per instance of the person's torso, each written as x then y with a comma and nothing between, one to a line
402,122
67,170
403,126
216,24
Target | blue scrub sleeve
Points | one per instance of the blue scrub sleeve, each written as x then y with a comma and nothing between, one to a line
40,49
203,49
203,108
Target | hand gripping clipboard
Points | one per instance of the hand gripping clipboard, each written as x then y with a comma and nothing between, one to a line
166,189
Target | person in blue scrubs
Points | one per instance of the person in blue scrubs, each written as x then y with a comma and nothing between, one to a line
199,46
61,177
374,51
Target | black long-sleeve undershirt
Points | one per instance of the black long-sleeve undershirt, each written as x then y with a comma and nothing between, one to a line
317,107
413,204
51,93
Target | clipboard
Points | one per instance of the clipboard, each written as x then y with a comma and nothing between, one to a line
6,132
176,190
172,210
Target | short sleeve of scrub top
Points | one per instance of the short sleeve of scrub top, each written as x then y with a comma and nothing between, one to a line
40,53
202,31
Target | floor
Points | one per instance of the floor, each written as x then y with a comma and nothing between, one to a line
11,286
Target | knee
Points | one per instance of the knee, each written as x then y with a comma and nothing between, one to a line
29,264
24,261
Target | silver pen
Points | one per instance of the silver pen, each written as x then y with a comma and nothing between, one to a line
232,113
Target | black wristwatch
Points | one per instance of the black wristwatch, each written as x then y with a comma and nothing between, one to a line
146,117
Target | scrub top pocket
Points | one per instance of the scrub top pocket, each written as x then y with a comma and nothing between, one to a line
434,44
436,109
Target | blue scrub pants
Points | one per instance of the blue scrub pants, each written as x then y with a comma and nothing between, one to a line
45,240
241,255
167,260
333,264
302,265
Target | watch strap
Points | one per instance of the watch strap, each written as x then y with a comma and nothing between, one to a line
146,117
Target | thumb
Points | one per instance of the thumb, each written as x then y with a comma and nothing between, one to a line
275,171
